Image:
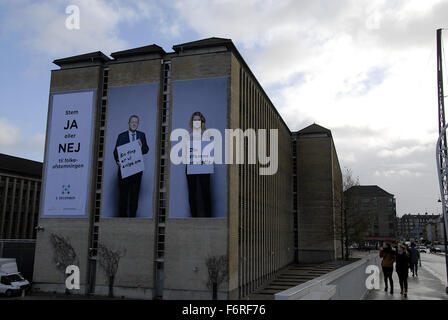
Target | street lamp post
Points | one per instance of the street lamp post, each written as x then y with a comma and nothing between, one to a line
442,170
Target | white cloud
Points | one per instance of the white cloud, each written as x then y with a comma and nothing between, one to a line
37,141
9,133
14,142
338,55
42,25
403,172
402,151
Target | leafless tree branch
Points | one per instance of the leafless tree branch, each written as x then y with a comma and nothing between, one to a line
109,260
217,272
64,254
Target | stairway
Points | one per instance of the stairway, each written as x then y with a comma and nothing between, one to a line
291,276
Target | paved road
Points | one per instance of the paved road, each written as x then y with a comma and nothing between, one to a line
429,285
435,264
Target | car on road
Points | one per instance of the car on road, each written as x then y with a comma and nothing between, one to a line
423,249
435,250
11,280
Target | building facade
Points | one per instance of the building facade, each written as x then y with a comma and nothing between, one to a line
20,186
420,227
379,208
247,215
319,193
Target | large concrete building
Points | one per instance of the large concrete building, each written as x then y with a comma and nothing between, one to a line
257,225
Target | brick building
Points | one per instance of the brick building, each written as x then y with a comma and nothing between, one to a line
319,190
20,187
378,206
420,227
20,183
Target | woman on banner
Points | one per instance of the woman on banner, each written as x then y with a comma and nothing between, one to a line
199,170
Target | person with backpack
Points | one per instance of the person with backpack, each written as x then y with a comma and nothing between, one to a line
388,255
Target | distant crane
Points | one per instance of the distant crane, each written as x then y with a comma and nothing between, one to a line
441,149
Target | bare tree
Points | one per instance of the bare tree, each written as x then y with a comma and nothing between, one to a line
350,227
109,260
64,254
217,273
348,180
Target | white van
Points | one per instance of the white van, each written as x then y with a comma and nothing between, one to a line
11,281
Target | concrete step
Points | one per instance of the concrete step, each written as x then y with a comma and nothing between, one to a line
292,276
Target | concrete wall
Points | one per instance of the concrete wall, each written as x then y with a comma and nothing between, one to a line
345,283
315,194
186,67
233,188
188,244
134,278
190,241
135,275
132,73
46,276
265,221
338,199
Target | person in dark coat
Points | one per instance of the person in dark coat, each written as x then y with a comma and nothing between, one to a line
414,258
402,267
388,255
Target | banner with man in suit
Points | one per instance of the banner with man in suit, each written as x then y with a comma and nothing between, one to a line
130,185
130,152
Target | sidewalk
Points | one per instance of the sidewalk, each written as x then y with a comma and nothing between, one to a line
424,287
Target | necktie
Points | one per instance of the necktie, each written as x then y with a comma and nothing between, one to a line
133,137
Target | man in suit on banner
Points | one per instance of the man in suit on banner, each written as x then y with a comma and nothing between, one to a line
130,186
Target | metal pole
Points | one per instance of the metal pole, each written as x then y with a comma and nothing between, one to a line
442,155
443,176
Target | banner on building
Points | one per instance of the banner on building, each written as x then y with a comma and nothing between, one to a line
68,154
198,189
129,154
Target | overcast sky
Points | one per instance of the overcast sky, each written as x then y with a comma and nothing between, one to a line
366,70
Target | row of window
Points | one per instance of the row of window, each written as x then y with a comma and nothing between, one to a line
19,207
265,202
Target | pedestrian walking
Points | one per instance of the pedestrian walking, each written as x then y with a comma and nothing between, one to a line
414,256
387,265
401,267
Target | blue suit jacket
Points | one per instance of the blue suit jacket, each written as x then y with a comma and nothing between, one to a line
123,138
